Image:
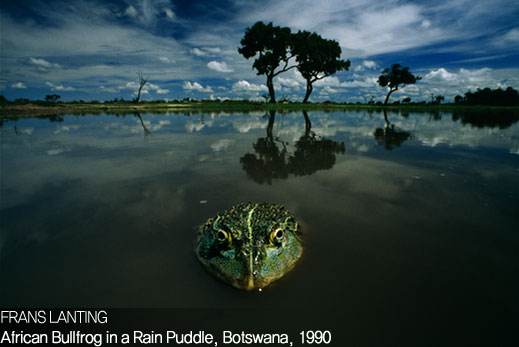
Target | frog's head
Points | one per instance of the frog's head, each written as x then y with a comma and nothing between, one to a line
250,245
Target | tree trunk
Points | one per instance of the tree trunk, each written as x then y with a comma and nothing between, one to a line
270,86
139,94
270,126
309,89
308,124
385,118
388,94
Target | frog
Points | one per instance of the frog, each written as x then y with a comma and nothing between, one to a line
250,245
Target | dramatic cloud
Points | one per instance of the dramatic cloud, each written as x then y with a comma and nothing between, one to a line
98,46
219,66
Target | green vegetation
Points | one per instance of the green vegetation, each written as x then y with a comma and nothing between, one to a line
25,107
481,100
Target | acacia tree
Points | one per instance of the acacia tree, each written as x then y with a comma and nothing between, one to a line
52,97
142,82
317,58
396,77
273,45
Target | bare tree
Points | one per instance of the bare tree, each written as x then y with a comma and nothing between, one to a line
142,82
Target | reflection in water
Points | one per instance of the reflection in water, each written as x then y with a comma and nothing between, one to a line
312,153
146,130
390,136
56,118
487,119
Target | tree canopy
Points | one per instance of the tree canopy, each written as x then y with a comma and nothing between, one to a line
396,77
317,58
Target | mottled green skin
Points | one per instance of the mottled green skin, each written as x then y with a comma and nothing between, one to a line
251,259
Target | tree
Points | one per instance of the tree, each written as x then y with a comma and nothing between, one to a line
439,98
317,58
273,46
52,97
142,82
396,77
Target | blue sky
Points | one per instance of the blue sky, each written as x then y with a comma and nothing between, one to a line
92,50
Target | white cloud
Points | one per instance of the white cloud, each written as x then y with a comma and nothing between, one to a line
107,89
130,85
198,52
440,75
329,90
222,144
135,86
42,64
131,12
147,12
245,86
512,35
213,50
59,88
197,87
366,64
426,23
166,60
156,88
464,78
206,51
169,13
18,85
289,82
219,66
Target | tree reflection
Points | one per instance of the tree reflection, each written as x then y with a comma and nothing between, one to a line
313,152
270,160
147,132
502,120
273,161
390,136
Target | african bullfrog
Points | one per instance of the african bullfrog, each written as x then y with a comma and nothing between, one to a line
250,245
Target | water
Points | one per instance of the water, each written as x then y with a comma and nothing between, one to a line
404,215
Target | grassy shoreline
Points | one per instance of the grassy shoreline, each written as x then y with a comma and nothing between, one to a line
28,110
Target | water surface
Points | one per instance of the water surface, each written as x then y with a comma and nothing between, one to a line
404,215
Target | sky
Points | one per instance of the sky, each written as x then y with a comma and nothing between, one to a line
93,50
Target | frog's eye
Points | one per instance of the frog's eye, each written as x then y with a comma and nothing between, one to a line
276,235
223,236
